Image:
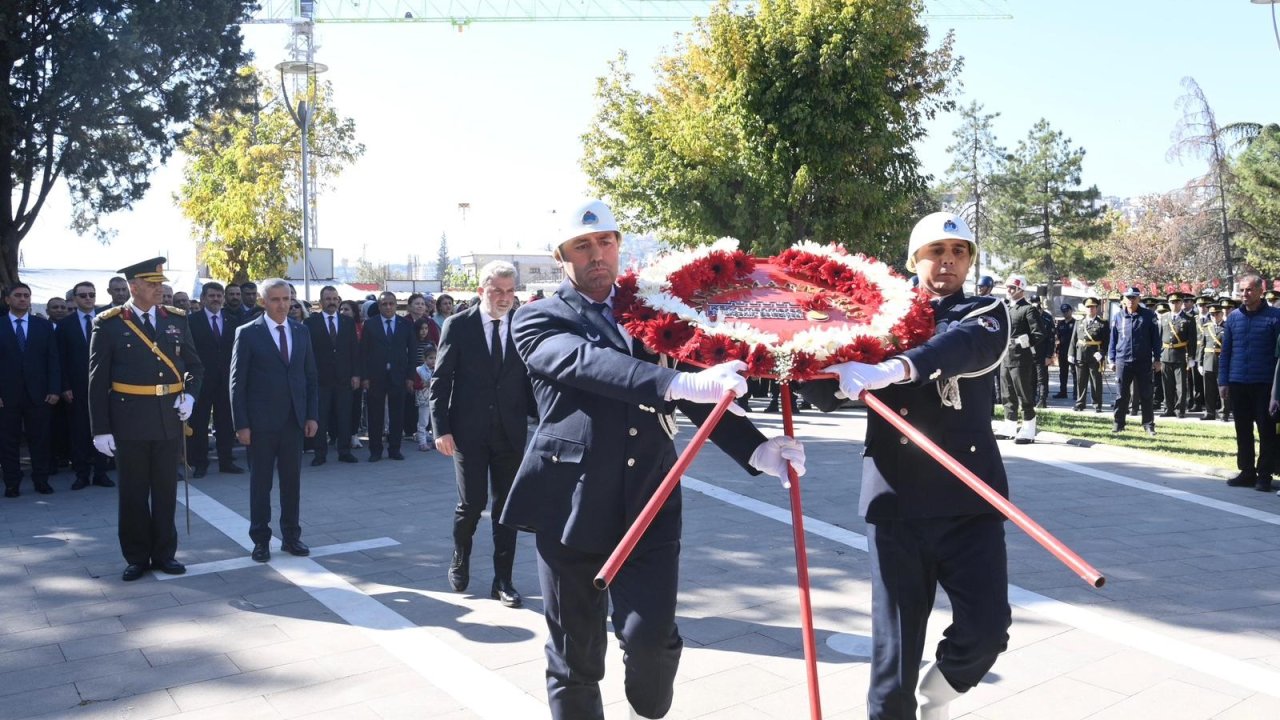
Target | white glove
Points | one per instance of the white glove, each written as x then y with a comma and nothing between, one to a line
772,455
1097,356
1193,363
183,406
1200,369
856,377
1022,341
106,444
710,385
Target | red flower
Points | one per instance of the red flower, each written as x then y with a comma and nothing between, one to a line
819,301
760,361
805,366
665,333
716,349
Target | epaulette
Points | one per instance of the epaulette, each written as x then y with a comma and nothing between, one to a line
175,310
109,313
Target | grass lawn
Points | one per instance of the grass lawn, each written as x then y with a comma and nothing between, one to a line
1211,443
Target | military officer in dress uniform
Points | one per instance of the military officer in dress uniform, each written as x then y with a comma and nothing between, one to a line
1210,347
1272,298
1088,352
924,527
1018,371
1203,319
1178,342
143,377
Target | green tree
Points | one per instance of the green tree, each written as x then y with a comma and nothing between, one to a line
442,257
367,272
976,159
241,180
1173,240
97,93
459,279
1043,223
1256,203
793,121
1198,135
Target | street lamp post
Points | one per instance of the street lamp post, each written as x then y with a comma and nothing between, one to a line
302,118
1274,27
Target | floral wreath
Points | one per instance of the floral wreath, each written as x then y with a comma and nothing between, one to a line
657,306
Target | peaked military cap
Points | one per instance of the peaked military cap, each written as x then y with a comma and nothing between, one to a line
1091,302
148,271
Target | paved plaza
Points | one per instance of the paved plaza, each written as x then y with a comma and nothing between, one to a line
1188,625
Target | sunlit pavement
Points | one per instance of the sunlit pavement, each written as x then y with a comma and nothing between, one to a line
1186,626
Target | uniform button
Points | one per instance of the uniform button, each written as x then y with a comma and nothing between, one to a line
555,458
902,441
903,412
973,448
633,432
631,462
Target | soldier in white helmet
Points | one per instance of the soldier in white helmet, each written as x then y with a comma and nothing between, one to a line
1018,371
925,527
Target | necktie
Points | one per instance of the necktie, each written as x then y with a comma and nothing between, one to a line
284,345
88,327
333,331
22,336
611,325
217,334
147,327
389,330
495,347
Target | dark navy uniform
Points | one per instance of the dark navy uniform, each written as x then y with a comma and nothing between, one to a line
1088,346
1133,349
131,396
924,526
602,446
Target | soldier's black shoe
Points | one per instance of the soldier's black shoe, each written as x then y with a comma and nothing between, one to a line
1209,416
1151,430
199,472
459,570
80,483
104,481
347,458
1244,479
133,572
1263,484
11,492
261,552
318,460
395,455
296,548
1077,408
1117,428
230,468
44,488
504,592
170,567
375,458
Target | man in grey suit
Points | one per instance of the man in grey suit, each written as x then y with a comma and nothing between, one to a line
274,403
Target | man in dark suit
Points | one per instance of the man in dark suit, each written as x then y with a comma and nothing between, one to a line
273,405
249,309
213,332
602,447
29,387
118,291
386,348
333,337
144,372
231,304
74,333
480,405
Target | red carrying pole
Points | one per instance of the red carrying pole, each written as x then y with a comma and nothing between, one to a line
651,508
802,567
1011,511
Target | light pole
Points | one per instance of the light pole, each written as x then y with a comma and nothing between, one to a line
308,70
1274,27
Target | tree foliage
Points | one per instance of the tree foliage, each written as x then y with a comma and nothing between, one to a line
1173,241
1043,222
1256,206
97,93
442,257
792,121
1198,135
241,183
976,161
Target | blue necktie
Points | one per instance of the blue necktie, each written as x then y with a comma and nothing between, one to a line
22,336
88,328
611,325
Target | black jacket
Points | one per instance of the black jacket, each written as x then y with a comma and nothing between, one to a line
337,358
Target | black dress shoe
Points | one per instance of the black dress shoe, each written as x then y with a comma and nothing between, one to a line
459,571
347,458
375,458
200,472
318,460
261,552
170,567
230,469
1151,430
80,483
395,455
44,488
297,547
1117,428
11,492
1244,479
133,572
1209,416
104,481
504,592
1060,395
1263,485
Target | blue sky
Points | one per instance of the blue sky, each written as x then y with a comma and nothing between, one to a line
492,116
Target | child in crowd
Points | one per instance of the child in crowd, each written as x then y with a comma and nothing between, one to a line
420,393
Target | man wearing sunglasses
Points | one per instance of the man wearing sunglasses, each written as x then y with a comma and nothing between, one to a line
73,334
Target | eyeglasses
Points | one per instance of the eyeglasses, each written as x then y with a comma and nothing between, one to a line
86,295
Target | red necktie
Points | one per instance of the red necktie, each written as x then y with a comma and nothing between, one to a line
284,345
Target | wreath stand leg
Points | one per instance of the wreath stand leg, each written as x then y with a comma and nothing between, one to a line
802,565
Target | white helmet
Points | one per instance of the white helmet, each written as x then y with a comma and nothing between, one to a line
1017,282
586,217
938,226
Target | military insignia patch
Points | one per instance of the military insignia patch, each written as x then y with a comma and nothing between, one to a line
989,323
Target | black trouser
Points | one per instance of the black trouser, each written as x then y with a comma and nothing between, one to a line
482,466
1157,387
1019,389
32,418
909,560
385,392
1212,399
334,418
1250,404
1088,379
85,458
1176,390
59,435
1042,382
1197,388
277,452
644,621
214,401
1140,377
1064,372
148,474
